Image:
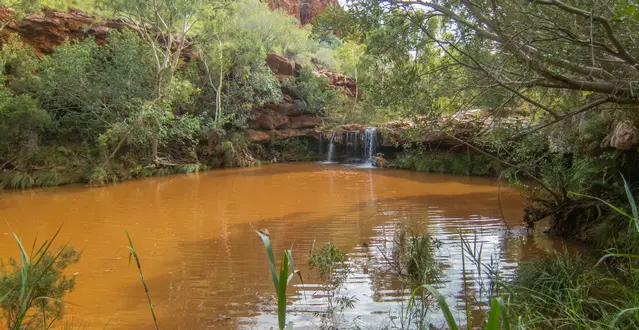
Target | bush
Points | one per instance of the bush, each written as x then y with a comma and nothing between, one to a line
37,282
450,163
564,291
314,92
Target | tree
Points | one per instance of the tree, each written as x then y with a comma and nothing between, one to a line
547,44
350,55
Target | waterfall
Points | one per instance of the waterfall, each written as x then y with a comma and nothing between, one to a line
321,143
370,144
331,150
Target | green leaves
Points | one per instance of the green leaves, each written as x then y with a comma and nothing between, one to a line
286,274
36,280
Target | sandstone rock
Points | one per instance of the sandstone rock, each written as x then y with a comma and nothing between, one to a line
625,136
281,65
269,120
258,136
305,121
304,10
45,31
339,80
287,133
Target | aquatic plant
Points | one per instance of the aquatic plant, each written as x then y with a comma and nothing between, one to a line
280,283
498,317
134,254
31,290
330,264
564,291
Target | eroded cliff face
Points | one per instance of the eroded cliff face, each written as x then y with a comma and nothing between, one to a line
303,10
45,31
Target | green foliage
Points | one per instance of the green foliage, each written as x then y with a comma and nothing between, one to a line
281,281
314,92
413,257
78,84
451,163
293,149
33,288
16,180
326,260
566,291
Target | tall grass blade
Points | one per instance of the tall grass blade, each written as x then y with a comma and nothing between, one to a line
134,254
504,313
281,292
493,315
614,208
633,204
448,315
269,254
5,296
622,313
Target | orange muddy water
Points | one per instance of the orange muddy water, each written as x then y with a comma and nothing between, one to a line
206,268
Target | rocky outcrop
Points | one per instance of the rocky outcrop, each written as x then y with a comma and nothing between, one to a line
281,65
45,31
625,136
304,10
340,80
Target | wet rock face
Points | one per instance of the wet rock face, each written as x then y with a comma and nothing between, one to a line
304,10
44,31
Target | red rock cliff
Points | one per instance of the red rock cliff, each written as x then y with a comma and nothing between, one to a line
303,10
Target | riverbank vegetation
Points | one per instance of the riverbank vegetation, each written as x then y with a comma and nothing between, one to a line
546,92
170,92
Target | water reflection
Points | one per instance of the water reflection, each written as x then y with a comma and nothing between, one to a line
206,267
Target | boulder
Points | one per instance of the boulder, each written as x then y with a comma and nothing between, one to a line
282,65
305,121
625,136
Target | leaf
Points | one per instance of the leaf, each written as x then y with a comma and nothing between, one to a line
493,316
616,209
271,259
5,296
633,204
281,292
504,313
448,315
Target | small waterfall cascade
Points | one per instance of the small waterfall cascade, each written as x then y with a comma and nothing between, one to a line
331,150
321,143
370,145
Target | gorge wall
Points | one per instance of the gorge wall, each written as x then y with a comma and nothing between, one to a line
44,31
303,10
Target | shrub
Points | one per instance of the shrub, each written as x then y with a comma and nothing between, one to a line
314,92
564,291
38,281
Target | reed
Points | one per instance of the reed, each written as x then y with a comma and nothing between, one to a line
280,283
36,282
133,254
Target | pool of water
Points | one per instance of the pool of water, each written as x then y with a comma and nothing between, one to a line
206,268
